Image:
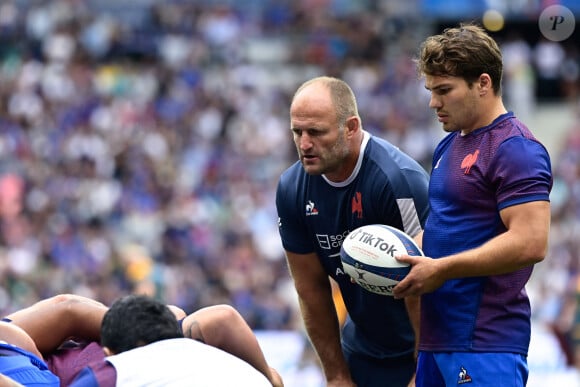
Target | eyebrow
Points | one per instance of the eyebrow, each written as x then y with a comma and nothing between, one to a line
439,86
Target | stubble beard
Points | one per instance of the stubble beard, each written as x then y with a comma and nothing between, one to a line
328,161
334,160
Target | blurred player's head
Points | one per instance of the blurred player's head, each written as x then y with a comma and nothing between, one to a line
326,126
466,52
137,320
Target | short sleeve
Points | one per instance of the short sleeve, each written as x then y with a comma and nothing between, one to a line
521,172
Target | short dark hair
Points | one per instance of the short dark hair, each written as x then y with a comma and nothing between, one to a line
466,51
136,320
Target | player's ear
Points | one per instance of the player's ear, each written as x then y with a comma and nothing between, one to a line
484,84
108,351
353,124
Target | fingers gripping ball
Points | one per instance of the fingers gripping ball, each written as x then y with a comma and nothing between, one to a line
368,257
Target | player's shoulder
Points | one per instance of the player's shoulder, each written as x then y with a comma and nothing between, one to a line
512,136
380,147
292,173
293,182
390,158
509,126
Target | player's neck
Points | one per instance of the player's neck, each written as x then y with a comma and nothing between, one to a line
490,112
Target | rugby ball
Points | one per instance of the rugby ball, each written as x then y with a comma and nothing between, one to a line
368,257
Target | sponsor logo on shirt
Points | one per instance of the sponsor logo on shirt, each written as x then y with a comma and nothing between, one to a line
331,242
469,160
463,376
311,208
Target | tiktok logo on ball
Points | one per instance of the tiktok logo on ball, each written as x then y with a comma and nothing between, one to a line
556,23
374,241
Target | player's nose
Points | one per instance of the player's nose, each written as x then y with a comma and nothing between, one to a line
434,102
305,142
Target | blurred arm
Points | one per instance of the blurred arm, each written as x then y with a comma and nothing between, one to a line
52,321
5,381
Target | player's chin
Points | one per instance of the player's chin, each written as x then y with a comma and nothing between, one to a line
312,168
449,127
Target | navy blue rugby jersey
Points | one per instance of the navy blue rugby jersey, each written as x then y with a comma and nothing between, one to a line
473,178
315,215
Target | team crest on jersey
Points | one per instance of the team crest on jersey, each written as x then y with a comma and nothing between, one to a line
469,160
311,208
357,205
463,376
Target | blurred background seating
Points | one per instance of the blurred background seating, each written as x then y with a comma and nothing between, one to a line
141,142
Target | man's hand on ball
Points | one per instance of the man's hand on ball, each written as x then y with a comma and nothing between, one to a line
424,276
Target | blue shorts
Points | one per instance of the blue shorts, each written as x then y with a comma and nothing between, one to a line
371,372
471,369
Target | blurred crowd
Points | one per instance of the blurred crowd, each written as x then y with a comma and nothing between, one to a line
555,286
140,146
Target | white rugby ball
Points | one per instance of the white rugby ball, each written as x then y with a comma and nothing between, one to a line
368,257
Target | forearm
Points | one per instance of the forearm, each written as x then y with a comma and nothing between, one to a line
319,315
5,381
322,327
413,304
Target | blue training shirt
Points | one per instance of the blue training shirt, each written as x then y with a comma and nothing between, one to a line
473,178
25,367
315,215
